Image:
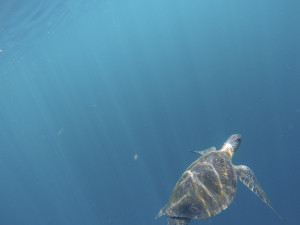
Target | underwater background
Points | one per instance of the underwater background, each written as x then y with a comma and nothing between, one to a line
101,101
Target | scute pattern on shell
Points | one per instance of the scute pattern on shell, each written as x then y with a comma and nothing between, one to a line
205,189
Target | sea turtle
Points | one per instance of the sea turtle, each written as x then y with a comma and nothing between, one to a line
209,184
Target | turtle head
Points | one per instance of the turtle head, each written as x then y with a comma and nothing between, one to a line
232,144
235,141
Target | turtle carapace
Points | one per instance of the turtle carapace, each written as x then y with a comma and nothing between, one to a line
209,184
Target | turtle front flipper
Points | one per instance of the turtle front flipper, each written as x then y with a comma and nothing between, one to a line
248,178
203,152
178,221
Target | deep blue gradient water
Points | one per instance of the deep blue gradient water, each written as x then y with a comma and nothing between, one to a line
100,102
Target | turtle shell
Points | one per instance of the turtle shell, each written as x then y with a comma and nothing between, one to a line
205,189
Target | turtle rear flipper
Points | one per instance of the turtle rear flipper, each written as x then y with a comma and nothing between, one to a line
248,178
178,221
161,212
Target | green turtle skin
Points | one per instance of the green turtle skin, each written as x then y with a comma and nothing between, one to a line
208,185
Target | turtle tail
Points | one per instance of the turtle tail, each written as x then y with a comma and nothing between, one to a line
178,221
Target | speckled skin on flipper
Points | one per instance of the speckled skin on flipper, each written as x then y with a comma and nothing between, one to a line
208,185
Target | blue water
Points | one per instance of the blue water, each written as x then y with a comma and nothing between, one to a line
101,100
